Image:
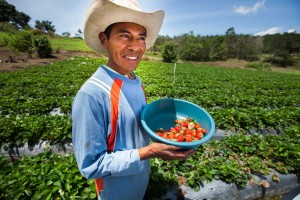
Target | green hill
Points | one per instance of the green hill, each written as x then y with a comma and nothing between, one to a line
69,44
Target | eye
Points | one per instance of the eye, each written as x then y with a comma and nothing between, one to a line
124,35
143,38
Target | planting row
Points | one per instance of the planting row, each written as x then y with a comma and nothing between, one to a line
236,159
240,100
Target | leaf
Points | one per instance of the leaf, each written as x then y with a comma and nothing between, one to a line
92,195
275,177
57,183
49,182
67,186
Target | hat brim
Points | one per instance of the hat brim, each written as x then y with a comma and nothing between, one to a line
103,13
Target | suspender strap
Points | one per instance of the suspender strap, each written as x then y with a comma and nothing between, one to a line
114,113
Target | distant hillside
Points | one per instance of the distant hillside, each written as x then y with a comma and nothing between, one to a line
57,43
69,44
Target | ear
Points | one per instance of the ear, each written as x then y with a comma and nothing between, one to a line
103,39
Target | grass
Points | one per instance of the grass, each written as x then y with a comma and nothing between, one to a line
58,43
69,44
3,35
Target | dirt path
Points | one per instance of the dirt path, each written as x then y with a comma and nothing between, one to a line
10,61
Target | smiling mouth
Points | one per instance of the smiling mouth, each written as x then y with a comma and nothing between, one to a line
131,57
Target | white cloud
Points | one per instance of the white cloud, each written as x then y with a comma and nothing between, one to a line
243,10
270,31
292,31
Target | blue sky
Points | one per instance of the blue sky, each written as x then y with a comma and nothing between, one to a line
204,17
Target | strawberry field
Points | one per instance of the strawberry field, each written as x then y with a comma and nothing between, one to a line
260,110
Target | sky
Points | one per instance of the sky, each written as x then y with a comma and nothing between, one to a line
202,17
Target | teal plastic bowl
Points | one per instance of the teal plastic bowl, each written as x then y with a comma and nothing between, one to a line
162,113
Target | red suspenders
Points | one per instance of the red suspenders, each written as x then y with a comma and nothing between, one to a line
114,113
114,110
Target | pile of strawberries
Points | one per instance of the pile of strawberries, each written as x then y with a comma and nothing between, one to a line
187,130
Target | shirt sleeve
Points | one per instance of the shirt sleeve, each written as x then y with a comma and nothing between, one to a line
90,126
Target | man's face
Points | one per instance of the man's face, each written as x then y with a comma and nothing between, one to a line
126,46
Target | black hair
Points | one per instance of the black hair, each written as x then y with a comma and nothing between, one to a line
107,31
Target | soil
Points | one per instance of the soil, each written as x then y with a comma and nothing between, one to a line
10,61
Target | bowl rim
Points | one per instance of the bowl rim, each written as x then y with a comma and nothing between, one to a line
170,142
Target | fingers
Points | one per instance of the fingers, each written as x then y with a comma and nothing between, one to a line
182,154
169,152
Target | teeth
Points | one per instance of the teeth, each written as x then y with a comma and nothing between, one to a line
131,58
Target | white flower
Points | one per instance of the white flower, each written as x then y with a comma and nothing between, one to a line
61,192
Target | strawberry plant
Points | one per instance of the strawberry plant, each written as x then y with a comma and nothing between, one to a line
46,176
242,101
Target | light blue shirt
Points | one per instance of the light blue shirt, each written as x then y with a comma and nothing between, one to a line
125,175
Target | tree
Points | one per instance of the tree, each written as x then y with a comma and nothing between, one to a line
247,48
21,19
44,26
66,34
217,48
231,39
282,46
169,52
78,34
8,13
194,48
159,43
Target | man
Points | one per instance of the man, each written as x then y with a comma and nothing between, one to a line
109,142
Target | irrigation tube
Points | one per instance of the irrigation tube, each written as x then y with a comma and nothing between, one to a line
174,73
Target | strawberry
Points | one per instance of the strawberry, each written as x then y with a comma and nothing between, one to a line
188,137
180,138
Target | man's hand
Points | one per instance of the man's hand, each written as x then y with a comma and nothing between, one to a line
164,151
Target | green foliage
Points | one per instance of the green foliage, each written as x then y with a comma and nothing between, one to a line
8,13
169,52
258,66
42,46
36,32
238,100
235,159
46,176
32,129
8,27
192,48
21,42
282,59
66,34
70,44
278,43
3,41
217,48
45,26
27,42
25,105
283,48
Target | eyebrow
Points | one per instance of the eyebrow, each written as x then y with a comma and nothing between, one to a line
126,31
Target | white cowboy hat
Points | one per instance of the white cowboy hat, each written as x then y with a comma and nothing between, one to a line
103,13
